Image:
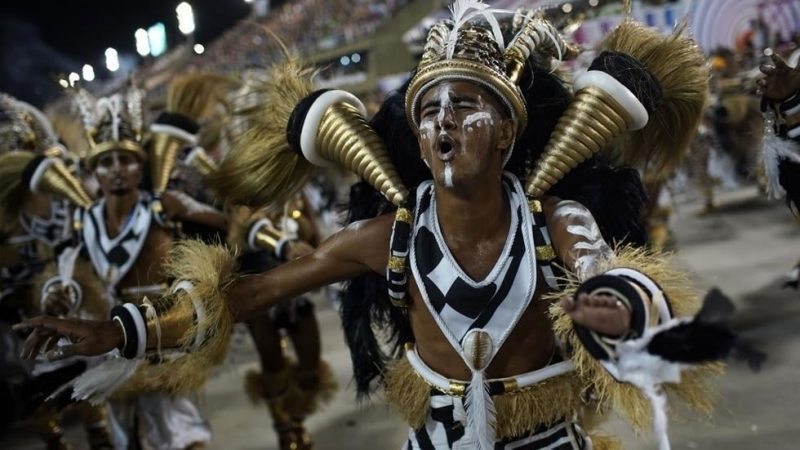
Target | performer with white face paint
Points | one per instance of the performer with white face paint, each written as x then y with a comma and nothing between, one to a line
463,277
126,236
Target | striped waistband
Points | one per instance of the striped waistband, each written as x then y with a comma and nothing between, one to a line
496,386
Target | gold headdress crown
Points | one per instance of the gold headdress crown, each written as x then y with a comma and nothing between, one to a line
24,171
111,123
471,47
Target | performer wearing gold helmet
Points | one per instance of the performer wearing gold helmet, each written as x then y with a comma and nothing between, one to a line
124,238
467,265
37,192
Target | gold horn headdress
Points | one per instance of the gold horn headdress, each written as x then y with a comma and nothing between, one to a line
291,130
111,123
652,85
25,171
471,47
189,99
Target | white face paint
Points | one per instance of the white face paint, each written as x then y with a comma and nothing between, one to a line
444,104
448,174
115,164
478,119
592,248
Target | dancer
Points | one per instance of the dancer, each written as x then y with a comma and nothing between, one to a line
781,153
37,193
471,258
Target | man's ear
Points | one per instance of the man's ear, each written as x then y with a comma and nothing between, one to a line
505,133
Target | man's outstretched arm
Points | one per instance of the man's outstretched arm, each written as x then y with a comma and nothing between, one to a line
357,249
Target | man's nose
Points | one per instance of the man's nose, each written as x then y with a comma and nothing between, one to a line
446,119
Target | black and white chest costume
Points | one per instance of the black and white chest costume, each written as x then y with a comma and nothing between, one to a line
112,258
460,304
477,316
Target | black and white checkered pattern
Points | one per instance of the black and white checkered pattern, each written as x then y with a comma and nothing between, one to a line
460,303
114,257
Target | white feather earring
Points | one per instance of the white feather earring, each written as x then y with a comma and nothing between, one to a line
774,148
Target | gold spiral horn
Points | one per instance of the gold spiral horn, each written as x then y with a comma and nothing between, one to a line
345,137
592,121
199,159
535,35
53,177
165,150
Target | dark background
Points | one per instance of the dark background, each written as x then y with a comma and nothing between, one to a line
41,40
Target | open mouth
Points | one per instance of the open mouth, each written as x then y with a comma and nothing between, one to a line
445,147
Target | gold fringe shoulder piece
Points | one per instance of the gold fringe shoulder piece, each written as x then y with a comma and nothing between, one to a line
518,412
211,269
678,64
695,388
12,192
261,168
93,302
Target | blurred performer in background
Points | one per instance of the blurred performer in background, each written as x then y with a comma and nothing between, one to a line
266,238
291,389
125,237
37,193
781,147
461,272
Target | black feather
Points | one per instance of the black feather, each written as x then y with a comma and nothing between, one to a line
706,338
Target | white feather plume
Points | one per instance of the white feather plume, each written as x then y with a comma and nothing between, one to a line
112,105
86,104
98,383
134,101
774,148
465,10
481,413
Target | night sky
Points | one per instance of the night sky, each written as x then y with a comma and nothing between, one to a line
40,39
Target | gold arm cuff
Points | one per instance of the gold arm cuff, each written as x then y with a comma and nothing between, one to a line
535,206
545,253
268,238
403,215
174,322
396,264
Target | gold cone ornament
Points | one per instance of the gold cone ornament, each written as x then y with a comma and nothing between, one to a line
164,152
53,177
190,98
199,159
650,127
345,137
266,166
591,122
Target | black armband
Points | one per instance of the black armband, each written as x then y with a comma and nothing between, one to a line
134,329
603,347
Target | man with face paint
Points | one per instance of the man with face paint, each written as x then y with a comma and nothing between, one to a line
126,235
487,358
37,193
